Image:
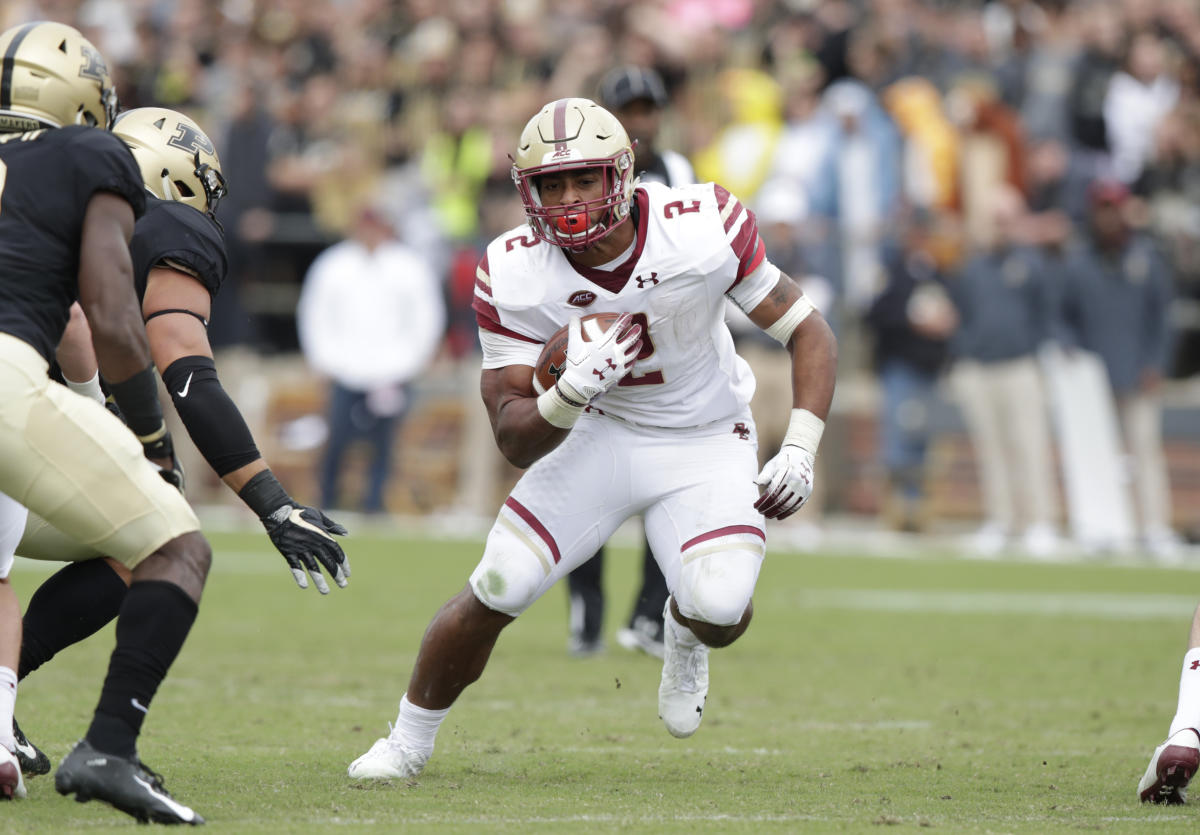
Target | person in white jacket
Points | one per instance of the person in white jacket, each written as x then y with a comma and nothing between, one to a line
370,318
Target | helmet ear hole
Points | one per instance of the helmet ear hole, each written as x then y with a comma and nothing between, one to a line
184,189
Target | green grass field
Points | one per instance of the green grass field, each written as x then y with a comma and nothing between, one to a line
869,692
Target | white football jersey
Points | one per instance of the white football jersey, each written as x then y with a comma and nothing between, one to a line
695,245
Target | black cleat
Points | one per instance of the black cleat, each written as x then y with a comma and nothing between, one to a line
123,783
33,761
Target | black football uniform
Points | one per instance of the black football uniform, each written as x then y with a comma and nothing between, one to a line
47,179
172,234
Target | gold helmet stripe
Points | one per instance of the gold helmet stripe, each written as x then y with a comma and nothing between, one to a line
10,59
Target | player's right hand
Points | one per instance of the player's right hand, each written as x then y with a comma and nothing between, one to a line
171,471
304,535
592,368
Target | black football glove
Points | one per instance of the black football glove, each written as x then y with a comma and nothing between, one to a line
173,475
304,535
162,449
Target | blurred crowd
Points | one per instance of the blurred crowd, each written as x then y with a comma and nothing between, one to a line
888,146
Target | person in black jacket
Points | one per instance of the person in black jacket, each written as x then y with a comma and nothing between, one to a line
912,320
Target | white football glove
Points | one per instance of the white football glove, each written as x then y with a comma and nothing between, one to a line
592,368
787,480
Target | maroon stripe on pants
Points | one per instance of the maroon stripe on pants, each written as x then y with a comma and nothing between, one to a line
538,527
719,532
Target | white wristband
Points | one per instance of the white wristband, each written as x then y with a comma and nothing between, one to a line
557,410
804,430
89,388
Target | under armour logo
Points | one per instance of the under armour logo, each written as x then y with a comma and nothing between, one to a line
1195,665
644,282
742,431
599,372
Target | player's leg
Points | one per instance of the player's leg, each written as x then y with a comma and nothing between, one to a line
74,603
645,627
69,460
550,524
1175,762
710,542
12,522
585,607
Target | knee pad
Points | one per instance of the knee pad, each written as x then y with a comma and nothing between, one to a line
716,587
513,572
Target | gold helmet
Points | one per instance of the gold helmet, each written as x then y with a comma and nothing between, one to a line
570,134
178,161
52,76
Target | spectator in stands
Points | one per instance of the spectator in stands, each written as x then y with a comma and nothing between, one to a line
859,188
912,320
370,318
1117,290
1006,304
1138,99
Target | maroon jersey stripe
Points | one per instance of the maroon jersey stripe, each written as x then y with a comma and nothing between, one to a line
719,532
487,319
538,527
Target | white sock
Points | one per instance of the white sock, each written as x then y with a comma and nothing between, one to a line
684,637
417,726
1187,715
8,703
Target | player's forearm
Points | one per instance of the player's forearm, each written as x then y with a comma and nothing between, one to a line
814,366
237,479
211,418
522,434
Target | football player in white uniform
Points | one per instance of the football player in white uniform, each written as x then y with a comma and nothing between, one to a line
651,418
1176,760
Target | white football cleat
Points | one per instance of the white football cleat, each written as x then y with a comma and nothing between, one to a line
1171,769
684,686
388,759
12,784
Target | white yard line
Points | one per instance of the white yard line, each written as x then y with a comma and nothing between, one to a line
1099,606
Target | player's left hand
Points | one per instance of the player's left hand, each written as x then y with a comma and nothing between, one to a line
304,536
787,482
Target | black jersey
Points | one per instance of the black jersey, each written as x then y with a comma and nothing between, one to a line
47,178
175,235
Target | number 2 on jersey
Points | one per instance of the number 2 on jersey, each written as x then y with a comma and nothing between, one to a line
650,378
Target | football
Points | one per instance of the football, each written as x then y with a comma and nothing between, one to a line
554,354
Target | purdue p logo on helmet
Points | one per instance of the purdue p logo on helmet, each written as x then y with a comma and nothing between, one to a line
52,77
177,159
572,134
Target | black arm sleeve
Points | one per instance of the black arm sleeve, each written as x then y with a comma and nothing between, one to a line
209,415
